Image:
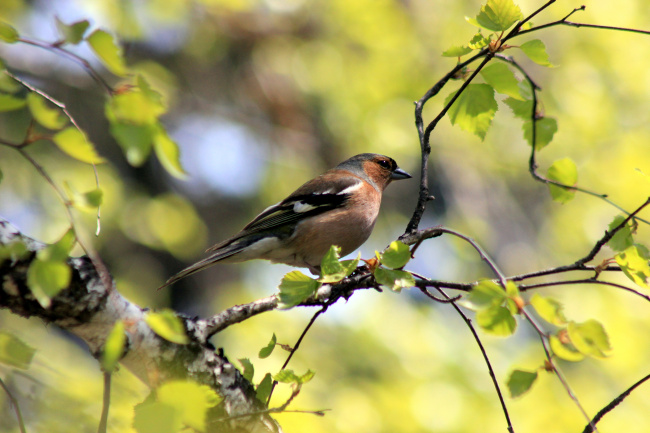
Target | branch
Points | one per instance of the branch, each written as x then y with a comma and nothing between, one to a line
89,309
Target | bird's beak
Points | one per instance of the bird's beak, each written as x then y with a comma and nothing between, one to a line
398,174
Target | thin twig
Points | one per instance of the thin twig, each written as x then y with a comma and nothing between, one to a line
14,403
296,346
589,427
106,403
526,287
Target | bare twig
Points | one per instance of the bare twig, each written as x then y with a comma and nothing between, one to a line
14,403
591,425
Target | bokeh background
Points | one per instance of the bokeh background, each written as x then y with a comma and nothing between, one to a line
262,96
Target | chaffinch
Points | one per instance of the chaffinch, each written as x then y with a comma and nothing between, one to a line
339,207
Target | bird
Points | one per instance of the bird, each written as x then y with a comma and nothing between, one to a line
339,207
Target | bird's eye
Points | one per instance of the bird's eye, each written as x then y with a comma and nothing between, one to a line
384,163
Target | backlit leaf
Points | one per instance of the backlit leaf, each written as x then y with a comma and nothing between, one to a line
485,294
264,388
10,102
623,238
564,351
51,118
496,320
634,263
114,347
74,143
394,279
266,351
589,338
295,288
520,108
545,129
190,399
249,369
548,309
565,172
15,352
46,278
474,109
497,15
396,255
168,153
136,141
8,33
156,417
499,76
456,51
167,325
104,46
72,33
536,51
520,381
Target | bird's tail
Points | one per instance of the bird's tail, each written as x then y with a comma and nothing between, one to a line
203,264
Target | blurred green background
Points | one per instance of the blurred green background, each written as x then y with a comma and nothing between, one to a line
262,96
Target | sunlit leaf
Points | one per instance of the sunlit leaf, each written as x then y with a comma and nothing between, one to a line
266,351
634,263
10,102
478,41
108,52
15,251
46,278
522,109
485,294
295,288
394,279
60,250
15,352
564,351
396,255
8,33
497,15
249,369
520,381
474,109
51,118
264,388
623,238
136,141
190,399
168,153
456,51
74,143
156,417
548,309
589,338
496,320
134,107
499,76
72,33
545,129
536,51
565,172
114,347
288,376
167,325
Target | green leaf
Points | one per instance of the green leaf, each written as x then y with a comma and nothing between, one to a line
266,351
545,129
563,171
74,143
522,109
589,338
60,250
520,382
156,417
46,278
72,33
93,198
499,76
190,399
623,238
497,15
564,351
548,309
15,352
135,108
295,288
167,325
634,263
264,388
114,347
11,103
485,294
249,369
1,175
135,140
474,109
8,33
536,51
168,153
288,376
108,51
15,251
332,269
496,320
51,118
456,51
396,256
394,279
478,41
